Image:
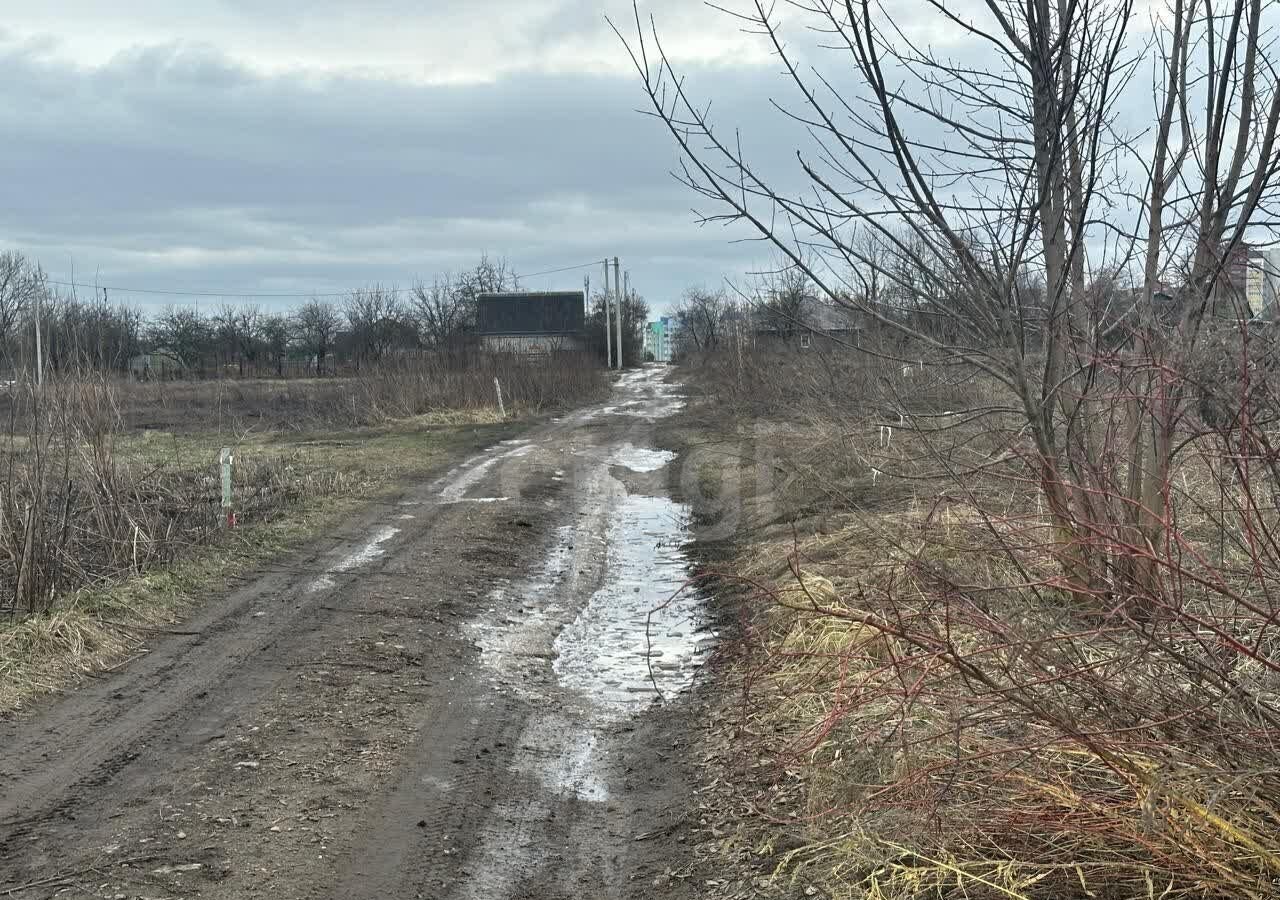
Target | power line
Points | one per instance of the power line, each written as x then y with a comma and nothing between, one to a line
231,295
590,265
223,294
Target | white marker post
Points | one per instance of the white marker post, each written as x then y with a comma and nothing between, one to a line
502,410
227,460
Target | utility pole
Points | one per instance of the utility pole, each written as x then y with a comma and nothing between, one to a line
608,343
617,286
39,345
626,293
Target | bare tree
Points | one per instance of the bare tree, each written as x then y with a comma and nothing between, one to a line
183,332
786,301
490,276
316,325
78,334
700,320
441,310
1005,177
276,332
21,282
1021,165
239,331
377,320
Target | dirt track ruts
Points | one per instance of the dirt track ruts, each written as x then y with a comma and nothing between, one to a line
377,715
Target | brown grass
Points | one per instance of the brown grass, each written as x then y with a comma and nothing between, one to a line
110,512
925,712
389,391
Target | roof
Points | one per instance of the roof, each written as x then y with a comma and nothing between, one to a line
826,317
820,317
531,312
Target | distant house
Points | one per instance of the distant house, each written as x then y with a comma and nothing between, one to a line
820,324
529,322
156,364
1263,288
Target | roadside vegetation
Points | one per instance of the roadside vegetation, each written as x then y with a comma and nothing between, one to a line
919,703
111,521
1004,526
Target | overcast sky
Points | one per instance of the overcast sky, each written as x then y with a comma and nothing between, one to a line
314,145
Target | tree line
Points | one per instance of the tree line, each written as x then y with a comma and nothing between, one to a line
896,296
363,326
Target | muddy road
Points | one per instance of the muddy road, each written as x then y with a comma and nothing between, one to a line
452,698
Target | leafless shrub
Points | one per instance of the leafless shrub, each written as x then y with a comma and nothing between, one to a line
75,512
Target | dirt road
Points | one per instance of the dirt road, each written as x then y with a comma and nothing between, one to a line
453,698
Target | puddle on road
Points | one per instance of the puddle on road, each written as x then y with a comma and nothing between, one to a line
504,642
631,636
604,653
651,397
365,554
595,629
638,459
570,754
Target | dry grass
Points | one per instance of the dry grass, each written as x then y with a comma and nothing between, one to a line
925,712
891,793
108,532
391,391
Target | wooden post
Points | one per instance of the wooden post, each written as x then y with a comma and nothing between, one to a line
227,460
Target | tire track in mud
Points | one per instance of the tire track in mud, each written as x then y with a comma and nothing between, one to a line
587,641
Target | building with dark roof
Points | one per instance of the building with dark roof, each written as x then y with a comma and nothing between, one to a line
532,322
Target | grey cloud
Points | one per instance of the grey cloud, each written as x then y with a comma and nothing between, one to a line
443,39
175,165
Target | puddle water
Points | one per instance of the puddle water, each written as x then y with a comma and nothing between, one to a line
365,554
455,489
638,459
631,637
588,639
644,396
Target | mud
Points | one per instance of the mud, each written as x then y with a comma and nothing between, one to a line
366,554
478,690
